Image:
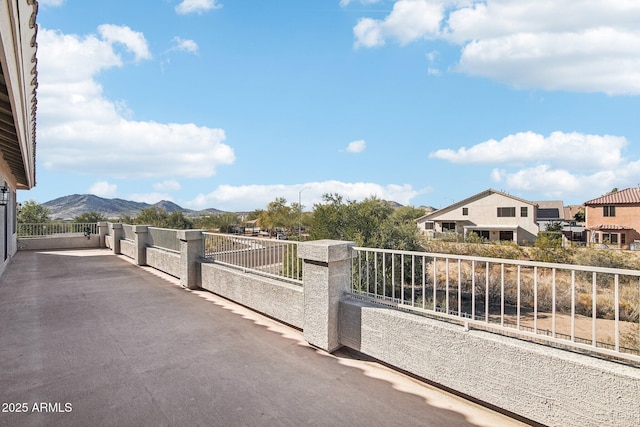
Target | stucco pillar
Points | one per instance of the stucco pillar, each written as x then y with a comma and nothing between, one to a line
326,275
191,251
103,230
141,232
117,234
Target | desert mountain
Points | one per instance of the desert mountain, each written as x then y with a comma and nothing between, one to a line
68,207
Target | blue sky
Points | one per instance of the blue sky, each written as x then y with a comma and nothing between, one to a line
229,104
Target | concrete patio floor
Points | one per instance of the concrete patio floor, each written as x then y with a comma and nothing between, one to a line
102,342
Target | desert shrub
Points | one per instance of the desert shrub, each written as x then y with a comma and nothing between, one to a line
549,239
584,304
556,255
474,237
606,258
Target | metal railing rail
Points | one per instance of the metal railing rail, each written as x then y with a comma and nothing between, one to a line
26,230
264,256
594,309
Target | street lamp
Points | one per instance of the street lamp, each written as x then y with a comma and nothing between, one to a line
300,213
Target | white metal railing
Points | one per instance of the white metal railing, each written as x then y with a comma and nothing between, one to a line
265,256
588,308
26,230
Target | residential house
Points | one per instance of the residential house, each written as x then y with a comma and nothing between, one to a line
491,214
549,212
18,82
614,219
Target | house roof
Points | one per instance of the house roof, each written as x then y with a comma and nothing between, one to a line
629,196
601,227
550,210
471,199
18,83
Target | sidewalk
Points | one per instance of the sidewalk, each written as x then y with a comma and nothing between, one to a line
89,339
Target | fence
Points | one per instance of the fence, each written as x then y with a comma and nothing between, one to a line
26,230
275,258
588,308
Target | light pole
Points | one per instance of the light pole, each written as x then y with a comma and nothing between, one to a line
300,213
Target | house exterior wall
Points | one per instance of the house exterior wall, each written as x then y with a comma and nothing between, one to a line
8,229
483,212
625,215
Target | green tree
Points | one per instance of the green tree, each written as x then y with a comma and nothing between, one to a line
329,218
579,216
227,222
279,215
33,213
370,223
178,221
89,217
126,219
554,226
153,216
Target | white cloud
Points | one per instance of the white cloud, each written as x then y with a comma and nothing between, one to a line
356,146
103,189
409,20
251,197
344,3
150,198
577,150
168,185
184,45
591,46
560,183
572,165
132,40
53,3
196,6
81,131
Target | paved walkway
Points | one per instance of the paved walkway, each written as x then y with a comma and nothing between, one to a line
88,339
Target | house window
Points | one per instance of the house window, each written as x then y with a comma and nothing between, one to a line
623,238
524,211
506,235
484,234
465,211
448,226
506,212
611,238
428,226
608,211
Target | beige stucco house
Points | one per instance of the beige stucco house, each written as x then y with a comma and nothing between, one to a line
18,82
614,219
491,214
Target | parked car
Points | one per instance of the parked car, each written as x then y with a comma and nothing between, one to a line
282,236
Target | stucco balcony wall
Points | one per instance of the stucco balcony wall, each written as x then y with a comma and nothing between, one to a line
128,248
164,260
550,386
275,298
59,242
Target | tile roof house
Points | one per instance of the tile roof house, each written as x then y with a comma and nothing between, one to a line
18,83
614,219
491,214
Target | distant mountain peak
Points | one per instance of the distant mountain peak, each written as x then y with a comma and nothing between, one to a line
68,207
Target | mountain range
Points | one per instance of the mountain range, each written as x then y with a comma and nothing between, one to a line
68,207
